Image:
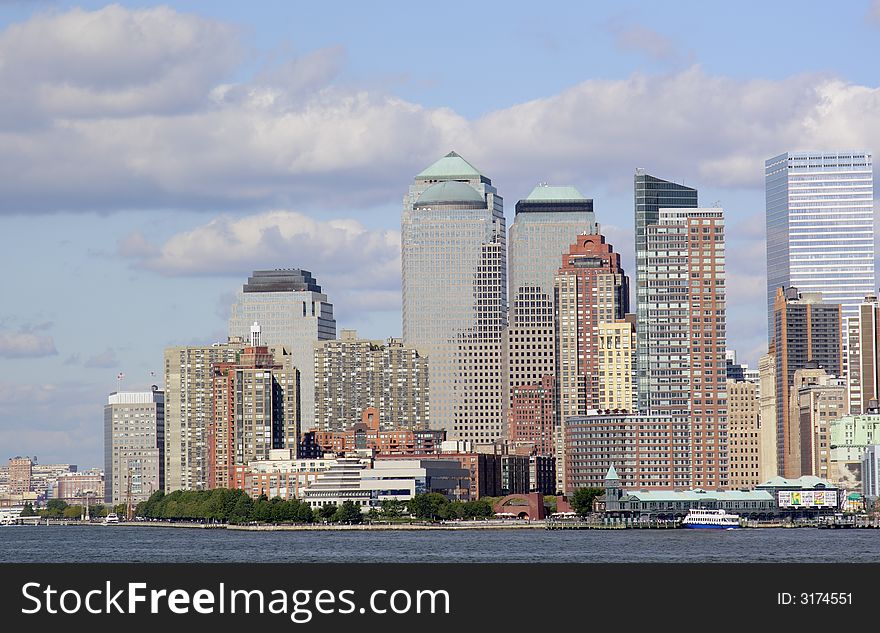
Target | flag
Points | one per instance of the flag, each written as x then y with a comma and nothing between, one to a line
120,376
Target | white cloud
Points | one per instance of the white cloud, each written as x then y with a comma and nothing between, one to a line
25,344
144,113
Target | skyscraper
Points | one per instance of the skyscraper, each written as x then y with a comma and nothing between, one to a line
805,328
685,337
353,374
651,194
547,222
134,445
820,226
293,312
454,261
591,288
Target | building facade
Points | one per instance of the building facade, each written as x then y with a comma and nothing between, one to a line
805,328
768,455
617,365
851,436
817,399
648,451
820,226
454,262
188,411
81,488
352,374
20,475
292,312
134,446
368,434
685,340
254,409
532,415
744,434
651,195
863,355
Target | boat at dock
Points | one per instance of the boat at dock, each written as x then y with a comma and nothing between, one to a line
718,519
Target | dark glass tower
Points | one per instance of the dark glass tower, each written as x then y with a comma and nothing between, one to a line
651,195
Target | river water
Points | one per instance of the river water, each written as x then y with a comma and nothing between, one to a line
60,544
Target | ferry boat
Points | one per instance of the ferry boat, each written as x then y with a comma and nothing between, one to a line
718,519
111,519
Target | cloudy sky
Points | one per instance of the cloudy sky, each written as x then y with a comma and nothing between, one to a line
152,157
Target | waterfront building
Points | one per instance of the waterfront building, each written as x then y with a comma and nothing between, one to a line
863,355
454,263
547,222
134,445
282,475
84,487
805,328
351,479
850,437
369,435
743,428
817,399
651,195
254,409
648,450
805,496
617,365
768,454
514,474
293,312
685,338
352,374
820,226
189,380
20,475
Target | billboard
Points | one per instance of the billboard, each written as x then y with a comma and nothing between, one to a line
807,498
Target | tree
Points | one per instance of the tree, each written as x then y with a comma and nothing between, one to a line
393,508
72,512
582,500
427,506
327,511
348,512
28,510
54,509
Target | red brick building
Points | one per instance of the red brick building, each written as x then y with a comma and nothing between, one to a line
366,435
532,415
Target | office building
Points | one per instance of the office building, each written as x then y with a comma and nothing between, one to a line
820,226
293,312
817,399
454,260
743,434
532,415
547,222
369,435
685,337
851,436
88,487
651,195
871,471
805,328
353,374
134,446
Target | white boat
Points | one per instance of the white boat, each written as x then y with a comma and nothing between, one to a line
111,518
718,519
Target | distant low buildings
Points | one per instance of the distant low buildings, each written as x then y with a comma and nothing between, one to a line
81,488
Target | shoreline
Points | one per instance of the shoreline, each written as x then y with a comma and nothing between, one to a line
320,527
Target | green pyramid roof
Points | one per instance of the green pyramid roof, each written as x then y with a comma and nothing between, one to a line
612,474
450,167
549,192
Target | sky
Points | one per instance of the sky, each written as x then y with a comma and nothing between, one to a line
152,156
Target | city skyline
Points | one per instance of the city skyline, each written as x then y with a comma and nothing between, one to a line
160,235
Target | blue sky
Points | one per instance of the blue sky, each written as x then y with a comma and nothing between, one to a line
154,154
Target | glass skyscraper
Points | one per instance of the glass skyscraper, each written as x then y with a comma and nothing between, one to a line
651,194
820,226
293,312
454,260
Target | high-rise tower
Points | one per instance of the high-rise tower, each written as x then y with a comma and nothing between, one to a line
454,258
293,312
820,226
651,194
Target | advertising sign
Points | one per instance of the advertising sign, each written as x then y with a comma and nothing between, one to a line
807,498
